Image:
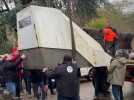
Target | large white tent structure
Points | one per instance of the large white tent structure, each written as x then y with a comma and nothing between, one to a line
44,35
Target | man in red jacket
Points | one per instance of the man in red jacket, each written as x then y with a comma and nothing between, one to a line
110,37
15,55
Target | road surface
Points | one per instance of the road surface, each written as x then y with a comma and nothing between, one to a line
87,93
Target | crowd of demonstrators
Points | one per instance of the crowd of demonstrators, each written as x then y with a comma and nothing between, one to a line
62,77
10,69
12,73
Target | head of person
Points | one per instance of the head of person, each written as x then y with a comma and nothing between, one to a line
121,53
15,51
67,59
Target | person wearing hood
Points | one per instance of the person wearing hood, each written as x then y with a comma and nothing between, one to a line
117,71
67,79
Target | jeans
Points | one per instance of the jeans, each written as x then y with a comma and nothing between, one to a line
38,91
117,92
67,98
11,87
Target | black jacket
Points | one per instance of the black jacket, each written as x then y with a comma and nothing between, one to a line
10,70
67,79
38,76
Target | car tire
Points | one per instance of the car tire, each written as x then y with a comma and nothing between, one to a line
91,74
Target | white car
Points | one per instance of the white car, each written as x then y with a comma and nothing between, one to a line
86,72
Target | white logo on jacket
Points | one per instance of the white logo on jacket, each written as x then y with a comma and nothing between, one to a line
69,69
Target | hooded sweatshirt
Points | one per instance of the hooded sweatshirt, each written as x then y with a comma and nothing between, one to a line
67,79
117,71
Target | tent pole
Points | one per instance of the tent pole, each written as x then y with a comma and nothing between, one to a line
70,6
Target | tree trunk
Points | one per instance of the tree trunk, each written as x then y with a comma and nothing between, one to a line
10,36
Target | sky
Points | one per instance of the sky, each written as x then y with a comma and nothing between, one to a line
120,0
114,0
129,6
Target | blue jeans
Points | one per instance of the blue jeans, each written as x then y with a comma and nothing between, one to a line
117,92
67,98
11,87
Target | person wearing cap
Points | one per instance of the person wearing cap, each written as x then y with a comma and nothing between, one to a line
117,72
67,79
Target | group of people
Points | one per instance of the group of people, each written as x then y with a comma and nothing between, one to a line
11,70
115,73
13,74
66,75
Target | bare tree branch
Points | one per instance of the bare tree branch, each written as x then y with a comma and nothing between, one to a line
5,3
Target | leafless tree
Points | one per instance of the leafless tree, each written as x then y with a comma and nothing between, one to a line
6,5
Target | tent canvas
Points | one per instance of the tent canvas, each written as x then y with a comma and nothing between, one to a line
49,28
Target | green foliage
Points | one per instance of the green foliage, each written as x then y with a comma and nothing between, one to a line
5,47
82,8
8,18
97,23
86,7
130,20
123,23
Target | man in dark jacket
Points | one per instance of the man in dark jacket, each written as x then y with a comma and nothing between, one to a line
67,79
10,73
